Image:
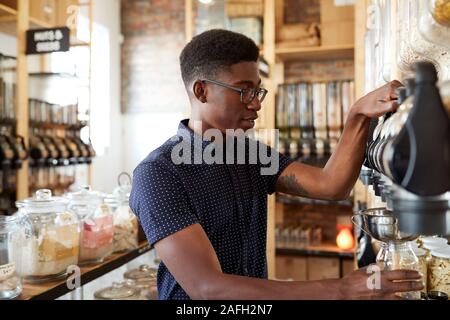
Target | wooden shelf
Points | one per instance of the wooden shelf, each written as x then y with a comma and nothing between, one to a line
288,199
79,43
56,289
8,21
315,53
6,11
323,250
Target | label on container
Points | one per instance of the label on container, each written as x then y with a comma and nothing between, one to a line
7,271
98,232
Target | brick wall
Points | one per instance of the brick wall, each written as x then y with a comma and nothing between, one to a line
154,35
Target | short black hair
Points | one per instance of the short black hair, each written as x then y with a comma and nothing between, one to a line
215,50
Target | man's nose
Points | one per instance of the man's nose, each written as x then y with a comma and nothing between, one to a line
255,105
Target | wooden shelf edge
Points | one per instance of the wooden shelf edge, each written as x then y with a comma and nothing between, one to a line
56,289
320,251
4,8
313,53
288,199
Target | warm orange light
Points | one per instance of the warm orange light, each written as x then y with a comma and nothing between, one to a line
344,239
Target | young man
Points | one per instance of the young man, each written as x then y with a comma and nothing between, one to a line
207,220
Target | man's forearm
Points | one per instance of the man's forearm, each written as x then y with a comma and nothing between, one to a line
342,169
231,287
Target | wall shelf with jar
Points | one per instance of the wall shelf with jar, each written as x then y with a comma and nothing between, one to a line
53,236
34,105
56,289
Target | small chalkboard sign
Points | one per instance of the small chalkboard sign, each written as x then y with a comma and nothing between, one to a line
40,41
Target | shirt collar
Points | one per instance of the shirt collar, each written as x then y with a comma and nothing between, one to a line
188,134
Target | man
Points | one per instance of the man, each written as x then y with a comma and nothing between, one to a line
207,221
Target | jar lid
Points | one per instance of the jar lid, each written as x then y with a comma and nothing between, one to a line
116,291
434,240
43,202
143,283
143,272
85,196
443,252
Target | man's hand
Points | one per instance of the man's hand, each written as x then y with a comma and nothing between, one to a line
363,285
378,102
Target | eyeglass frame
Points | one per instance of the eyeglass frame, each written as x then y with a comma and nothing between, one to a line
240,90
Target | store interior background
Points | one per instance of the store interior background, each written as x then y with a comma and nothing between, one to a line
145,55
138,98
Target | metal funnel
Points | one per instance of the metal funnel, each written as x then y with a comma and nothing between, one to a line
381,225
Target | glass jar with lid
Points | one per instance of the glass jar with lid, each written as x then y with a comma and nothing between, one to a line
54,243
400,256
14,230
125,222
439,270
144,279
97,227
119,291
432,243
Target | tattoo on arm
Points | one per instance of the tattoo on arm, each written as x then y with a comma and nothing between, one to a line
289,184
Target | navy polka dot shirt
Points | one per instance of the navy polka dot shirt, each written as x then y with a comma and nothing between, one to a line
229,201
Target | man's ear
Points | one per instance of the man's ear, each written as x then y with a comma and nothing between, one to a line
199,90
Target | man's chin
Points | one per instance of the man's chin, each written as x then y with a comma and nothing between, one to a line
247,124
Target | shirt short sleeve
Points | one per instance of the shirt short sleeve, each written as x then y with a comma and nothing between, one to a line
279,162
160,202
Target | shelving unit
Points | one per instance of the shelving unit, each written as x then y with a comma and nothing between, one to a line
16,17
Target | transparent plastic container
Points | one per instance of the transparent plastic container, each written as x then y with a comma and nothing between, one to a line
97,226
400,256
54,244
385,41
13,231
434,22
406,54
373,47
440,9
433,50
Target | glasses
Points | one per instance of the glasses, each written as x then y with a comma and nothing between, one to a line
247,95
